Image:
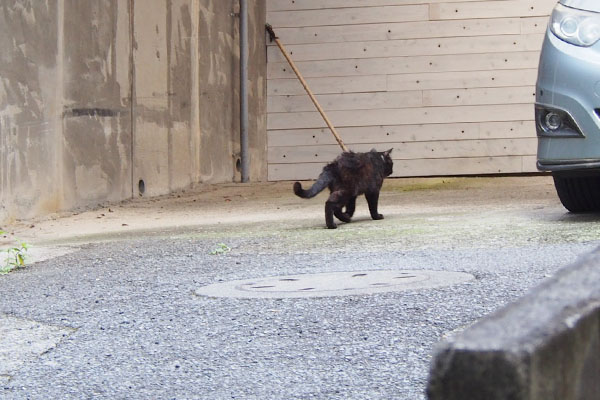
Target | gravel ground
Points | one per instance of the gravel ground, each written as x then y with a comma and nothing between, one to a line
135,329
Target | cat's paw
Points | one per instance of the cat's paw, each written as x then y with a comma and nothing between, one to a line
343,217
377,216
332,226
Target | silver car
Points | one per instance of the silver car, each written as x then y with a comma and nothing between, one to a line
567,109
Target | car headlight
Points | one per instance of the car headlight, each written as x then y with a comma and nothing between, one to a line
578,27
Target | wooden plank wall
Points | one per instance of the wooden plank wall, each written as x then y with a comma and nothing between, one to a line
448,84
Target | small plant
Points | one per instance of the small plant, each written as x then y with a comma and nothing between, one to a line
13,257
222,248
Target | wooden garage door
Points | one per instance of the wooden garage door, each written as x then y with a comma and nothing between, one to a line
448,84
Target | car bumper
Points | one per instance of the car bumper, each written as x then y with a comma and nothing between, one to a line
568,165
569,81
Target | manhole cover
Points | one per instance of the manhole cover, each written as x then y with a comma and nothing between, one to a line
333,284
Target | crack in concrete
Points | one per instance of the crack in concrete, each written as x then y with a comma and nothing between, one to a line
23,341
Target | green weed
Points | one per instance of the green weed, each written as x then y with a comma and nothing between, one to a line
221,248
13,257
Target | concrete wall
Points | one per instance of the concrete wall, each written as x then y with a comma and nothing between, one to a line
217,68
93,95
30,129
546,346
98,96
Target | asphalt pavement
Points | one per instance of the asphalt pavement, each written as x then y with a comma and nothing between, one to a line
119,314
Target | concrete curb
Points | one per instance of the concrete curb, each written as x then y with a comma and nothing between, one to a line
544,346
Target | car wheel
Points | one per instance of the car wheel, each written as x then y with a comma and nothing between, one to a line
578,193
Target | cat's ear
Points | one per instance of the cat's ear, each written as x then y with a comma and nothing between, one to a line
387,153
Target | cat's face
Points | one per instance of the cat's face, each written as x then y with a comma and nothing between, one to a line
388,163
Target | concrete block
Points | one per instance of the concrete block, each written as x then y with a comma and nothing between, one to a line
545,346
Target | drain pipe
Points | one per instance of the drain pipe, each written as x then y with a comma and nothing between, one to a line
244,90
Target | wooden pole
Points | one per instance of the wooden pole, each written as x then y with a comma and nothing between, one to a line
305,85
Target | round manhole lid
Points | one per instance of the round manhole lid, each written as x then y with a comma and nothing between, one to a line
334,284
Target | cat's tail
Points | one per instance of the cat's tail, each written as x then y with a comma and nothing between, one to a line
321,183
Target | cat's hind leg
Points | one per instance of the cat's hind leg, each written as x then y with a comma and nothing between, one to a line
329,210
333,206
346,216
350,207
342,216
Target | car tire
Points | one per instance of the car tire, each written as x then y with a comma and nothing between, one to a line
578,193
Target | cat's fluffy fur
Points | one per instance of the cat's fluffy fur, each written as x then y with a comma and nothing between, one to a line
348,176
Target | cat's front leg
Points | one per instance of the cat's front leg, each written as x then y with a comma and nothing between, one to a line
372,200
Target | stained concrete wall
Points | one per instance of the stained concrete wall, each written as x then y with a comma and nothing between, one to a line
221,98
98,96
95,132
30,131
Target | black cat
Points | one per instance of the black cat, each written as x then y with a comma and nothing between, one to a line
348,176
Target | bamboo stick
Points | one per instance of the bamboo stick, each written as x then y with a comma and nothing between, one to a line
305,85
